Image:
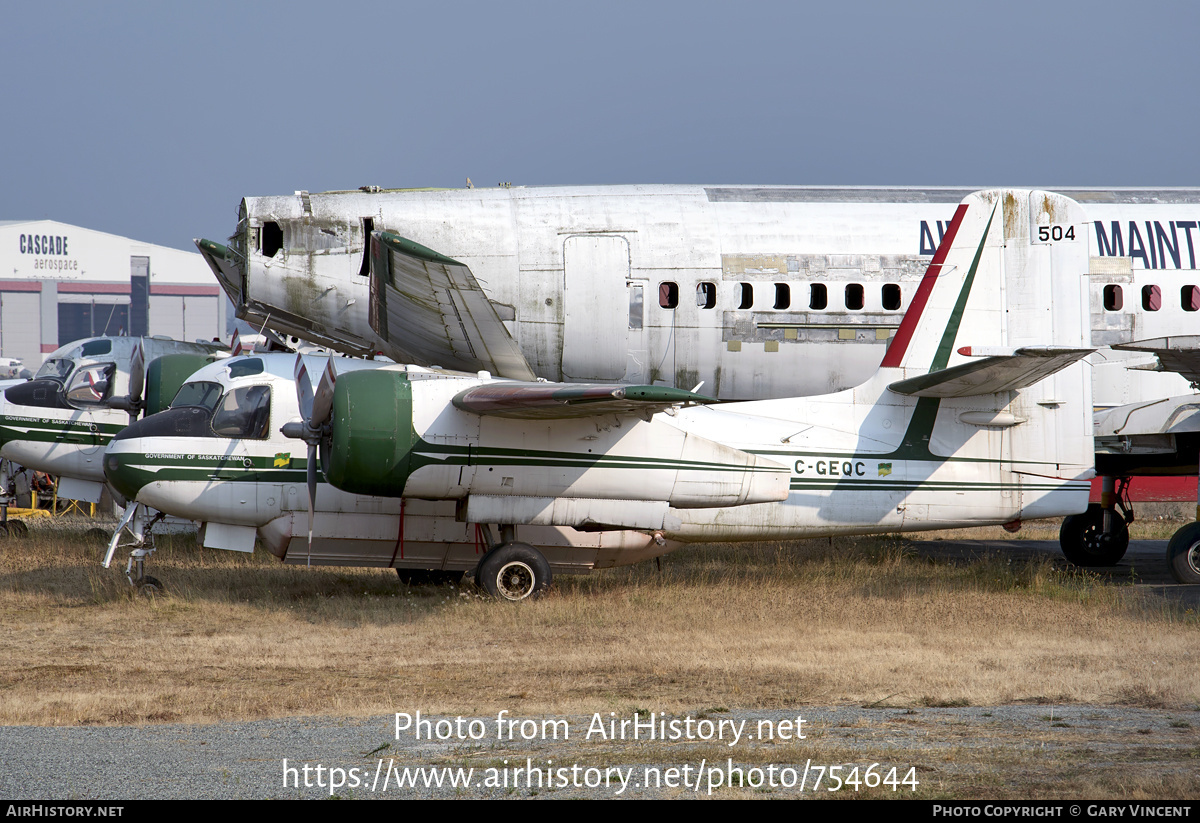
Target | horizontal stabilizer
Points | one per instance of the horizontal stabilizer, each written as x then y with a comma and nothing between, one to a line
431,309
550,401
1179,354
989,375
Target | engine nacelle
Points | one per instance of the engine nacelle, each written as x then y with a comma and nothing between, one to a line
395,436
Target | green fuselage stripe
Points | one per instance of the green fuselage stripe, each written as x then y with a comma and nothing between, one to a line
40,430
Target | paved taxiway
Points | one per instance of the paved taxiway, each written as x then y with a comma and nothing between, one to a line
1144,566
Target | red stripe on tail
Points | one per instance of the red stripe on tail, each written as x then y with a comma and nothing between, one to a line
899,344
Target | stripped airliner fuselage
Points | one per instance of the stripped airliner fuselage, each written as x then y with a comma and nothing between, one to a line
757,291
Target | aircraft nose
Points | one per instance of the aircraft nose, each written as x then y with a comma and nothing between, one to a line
127,464
226,267
122,471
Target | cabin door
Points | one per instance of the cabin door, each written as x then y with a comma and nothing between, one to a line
596,307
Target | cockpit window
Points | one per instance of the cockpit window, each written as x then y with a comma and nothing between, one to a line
244,413
56,369
95,348
203,395
241,368
91,385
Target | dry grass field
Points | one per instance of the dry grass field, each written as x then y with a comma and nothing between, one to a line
859,622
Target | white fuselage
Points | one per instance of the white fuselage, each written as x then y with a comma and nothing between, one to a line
773,291
257,487
843,467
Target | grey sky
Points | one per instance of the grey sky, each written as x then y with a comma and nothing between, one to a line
151,120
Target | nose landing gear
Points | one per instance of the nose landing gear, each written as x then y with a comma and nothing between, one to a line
137,524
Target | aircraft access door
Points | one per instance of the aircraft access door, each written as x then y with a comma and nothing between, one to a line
595,307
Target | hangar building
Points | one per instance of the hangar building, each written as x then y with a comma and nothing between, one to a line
60,283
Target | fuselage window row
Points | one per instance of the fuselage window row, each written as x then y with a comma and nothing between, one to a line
1113,298
891,298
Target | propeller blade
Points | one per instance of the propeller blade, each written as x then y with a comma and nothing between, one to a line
322,406
137,373
323,454
304,392
312,494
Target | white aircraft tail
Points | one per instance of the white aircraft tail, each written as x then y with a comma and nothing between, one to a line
1009,274
994,331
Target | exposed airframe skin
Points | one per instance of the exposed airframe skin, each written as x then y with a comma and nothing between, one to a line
757,292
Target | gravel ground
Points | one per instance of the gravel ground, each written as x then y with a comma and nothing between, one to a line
951,750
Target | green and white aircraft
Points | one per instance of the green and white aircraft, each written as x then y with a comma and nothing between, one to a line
217,456
980,413
85,392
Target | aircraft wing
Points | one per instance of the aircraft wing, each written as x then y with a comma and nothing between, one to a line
1180,354
991,374
550,401
430,308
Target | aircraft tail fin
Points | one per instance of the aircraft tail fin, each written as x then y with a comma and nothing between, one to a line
1006,282
995,331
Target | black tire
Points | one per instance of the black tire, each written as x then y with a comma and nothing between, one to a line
1084,542
514,572
17,528
428,577
149,586
1183,554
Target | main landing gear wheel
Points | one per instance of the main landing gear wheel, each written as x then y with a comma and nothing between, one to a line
428,577
149,586
513,571
1085,543
1183,554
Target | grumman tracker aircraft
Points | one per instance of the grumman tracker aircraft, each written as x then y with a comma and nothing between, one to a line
218,456
85,392
752,292
979,414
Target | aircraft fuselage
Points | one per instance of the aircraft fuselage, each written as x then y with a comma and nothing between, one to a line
756,291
